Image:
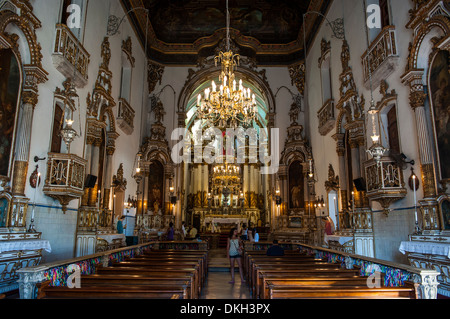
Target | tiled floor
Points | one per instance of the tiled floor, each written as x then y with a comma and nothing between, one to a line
217,285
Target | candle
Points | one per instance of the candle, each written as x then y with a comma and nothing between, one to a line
337,213
415,204
353,202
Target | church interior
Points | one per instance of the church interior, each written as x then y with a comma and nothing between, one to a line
136,135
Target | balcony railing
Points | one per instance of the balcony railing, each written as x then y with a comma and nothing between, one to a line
65,177
381,57
69,54
125,118
326,117
384,182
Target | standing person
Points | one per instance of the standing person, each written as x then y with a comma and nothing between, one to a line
255,235
170,232
120,225
250,235
183,229
244,232
234,253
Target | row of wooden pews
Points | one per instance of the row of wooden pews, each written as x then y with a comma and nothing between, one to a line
157,274
299,276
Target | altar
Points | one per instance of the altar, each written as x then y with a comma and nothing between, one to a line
429,254
238,221
19,250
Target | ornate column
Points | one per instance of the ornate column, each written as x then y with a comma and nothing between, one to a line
29,101
88,157
340,149
94,171
414,79
108,177
417,103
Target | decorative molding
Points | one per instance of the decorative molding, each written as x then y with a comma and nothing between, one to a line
127,48
325,49
381,59
125,117
327,119
70,57
297,73
154,76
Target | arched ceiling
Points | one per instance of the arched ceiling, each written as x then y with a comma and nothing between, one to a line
271,31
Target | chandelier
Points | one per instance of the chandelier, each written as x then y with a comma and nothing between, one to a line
230,104
377,150
226,174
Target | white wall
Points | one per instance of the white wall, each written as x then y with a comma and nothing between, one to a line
389,231
59,228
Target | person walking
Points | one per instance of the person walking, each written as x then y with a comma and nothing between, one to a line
234,253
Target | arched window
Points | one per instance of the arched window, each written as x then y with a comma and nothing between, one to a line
72,13
325,72
385,18
389,129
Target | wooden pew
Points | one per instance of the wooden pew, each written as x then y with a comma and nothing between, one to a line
267,274
249,258
186,282
152,272
164,265
339,292
331,281
257,267
148,258
108,292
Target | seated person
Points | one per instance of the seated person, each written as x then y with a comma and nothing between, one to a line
198,238
275,249
193,232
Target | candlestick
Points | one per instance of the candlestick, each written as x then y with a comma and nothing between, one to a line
337,213
415,204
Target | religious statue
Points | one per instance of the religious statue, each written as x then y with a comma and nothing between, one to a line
293,113
159,112
295,195
106,53
333,180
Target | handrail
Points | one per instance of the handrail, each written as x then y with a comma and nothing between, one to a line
59,270
426,279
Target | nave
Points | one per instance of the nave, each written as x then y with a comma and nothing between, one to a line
160,273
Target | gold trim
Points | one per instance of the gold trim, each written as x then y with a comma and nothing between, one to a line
19,177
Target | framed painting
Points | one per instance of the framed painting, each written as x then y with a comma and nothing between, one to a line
439,87
10,86
444,209
296,222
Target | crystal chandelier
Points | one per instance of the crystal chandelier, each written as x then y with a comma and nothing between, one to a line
226,174
230,104
68,134
377,150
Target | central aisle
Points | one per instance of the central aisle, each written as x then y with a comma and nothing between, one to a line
217,286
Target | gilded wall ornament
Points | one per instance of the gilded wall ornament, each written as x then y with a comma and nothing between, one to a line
297,73
154,76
